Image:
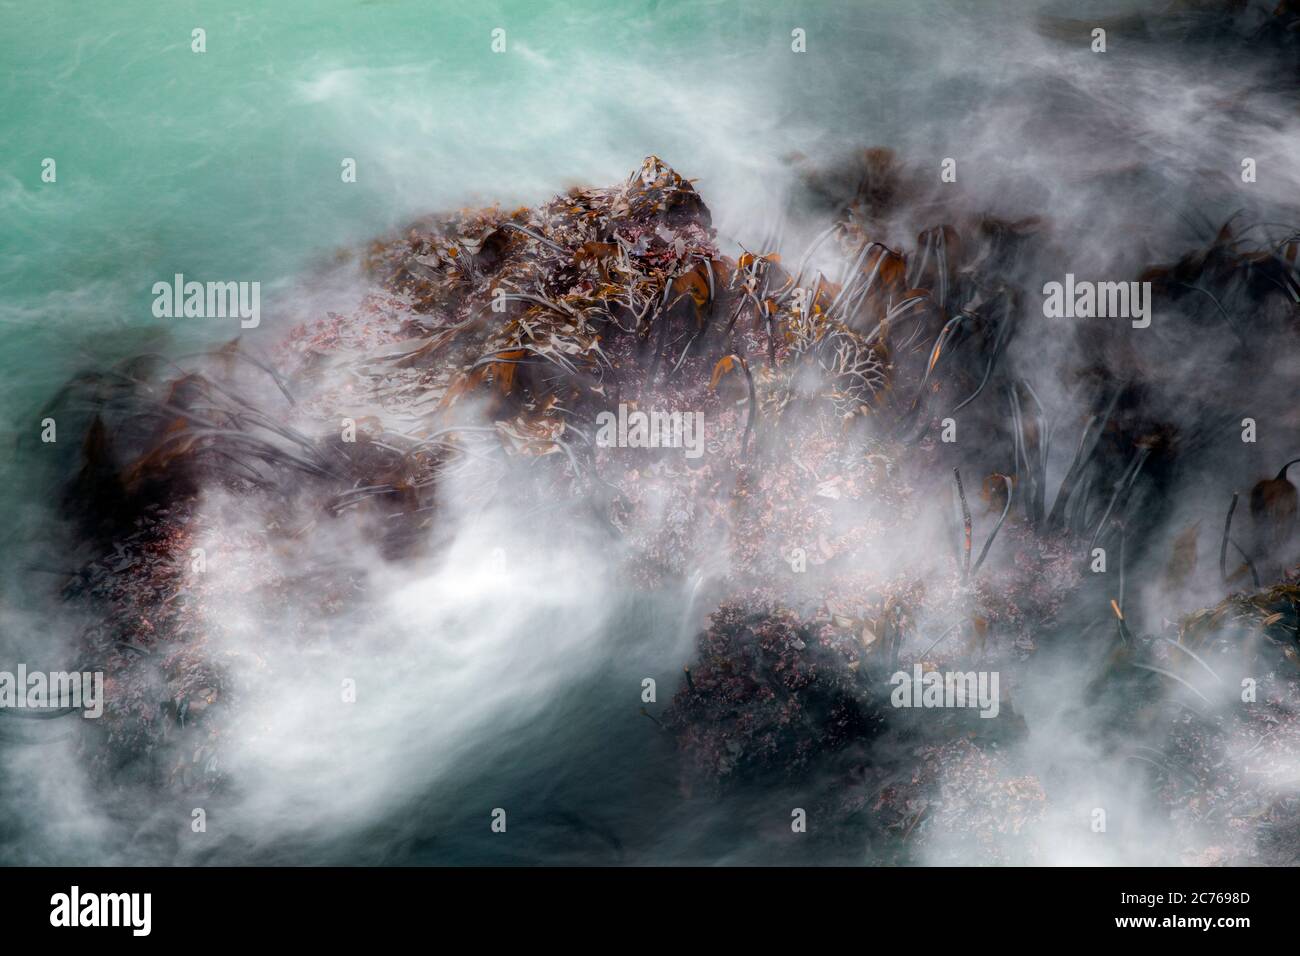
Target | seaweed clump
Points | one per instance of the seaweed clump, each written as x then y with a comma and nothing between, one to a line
772,693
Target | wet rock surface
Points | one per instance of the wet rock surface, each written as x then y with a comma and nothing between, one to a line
490,344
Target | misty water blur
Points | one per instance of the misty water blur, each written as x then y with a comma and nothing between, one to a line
519,691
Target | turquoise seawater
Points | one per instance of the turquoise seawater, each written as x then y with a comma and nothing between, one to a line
226,164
